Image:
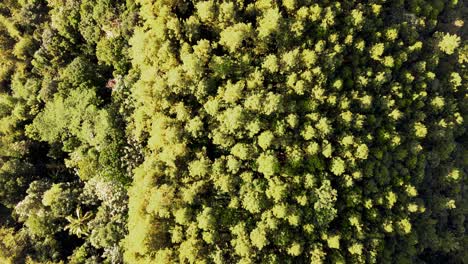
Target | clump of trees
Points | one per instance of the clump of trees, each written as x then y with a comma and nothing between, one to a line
296,131
62,171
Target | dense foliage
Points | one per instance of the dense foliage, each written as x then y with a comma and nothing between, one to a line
179,131
62,172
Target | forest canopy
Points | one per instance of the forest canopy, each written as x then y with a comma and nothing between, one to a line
180,131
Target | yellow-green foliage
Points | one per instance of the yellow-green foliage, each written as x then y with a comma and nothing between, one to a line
449,43
262,131
268,124
11,246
